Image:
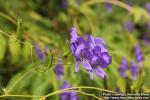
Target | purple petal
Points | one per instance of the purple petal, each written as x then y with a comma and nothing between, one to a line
74,96
138,53
39,53
59,71
65,85
76,67
78,50
73,35
91,41
123,66
86,65
87,54
107,58
99,41
134,70
103,48
100,72
72,47
94,59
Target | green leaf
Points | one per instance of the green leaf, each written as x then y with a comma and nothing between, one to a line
2,46
140,14
19,29
121,84
138,83
26,52
15,49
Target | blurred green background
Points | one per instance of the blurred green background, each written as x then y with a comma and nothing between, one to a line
47,23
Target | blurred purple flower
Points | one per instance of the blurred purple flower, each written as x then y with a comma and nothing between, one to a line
134,70
59,70
146,41
68,95
129,26
64,4
148,26
46,50
39,53
123,68
90,53
147,7
117,90
108,6
138,53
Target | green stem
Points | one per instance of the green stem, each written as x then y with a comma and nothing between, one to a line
116,2
8,17
46,96
17,81
80,87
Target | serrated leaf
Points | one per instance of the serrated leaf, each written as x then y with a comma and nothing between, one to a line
2,46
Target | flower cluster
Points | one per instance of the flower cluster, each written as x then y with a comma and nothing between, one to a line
59,71
134,67
90,52
68,95
124,68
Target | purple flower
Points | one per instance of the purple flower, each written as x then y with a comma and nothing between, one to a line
108,6
78,48
138,53
123,68
134,70
91,53
100,58
147,7
59,70
39,53
67,95
129,26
